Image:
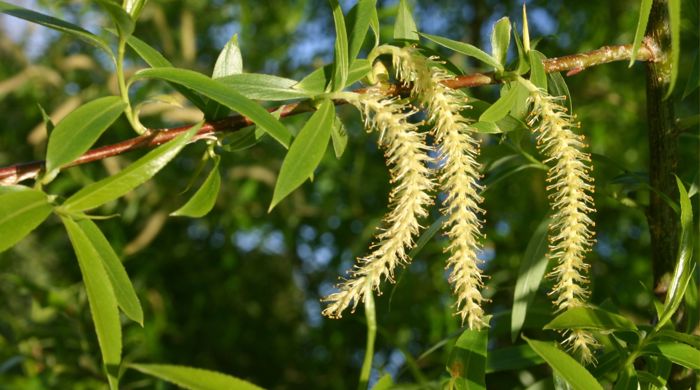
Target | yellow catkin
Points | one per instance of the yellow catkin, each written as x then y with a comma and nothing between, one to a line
459,175
570,187
407,155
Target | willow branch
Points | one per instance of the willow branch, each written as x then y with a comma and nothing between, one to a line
573,64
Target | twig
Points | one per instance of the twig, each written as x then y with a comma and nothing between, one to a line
574,63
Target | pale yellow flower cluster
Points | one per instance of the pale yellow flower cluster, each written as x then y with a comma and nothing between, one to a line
571,234
407,156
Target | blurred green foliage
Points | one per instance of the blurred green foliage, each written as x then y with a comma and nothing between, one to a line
238,291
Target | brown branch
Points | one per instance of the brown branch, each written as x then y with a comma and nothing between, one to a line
573,63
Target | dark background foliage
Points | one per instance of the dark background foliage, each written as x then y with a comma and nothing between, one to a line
238,291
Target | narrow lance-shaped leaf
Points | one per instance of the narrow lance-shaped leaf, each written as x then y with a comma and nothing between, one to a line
137,173
681,354
264,86
358,21
627,379
537,74
124,291
316,81
229,62
194,378
341,62
530,274
79,130
223,94
121,19
339,136
405,26
103,304
503,105
644,11
674,17
567,367
684,262
305,153
467,363
466,49
500,40
21,211
204,199
590,318
56,24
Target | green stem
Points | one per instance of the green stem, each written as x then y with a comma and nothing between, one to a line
124,90
371,316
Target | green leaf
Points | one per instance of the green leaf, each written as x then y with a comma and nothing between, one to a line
590,318
194,378
156,60
537,74
500,40
693,77
223,94
674,17
689,339
405,26
21,211
487,128
230,61
204,199
56,24
466,49
305,153
121,19
468,358
575,374
523,64
264,87
684,263
512,358
652,379
426,236
133,7
240,140
315,82
644,11
137,173
342,62
386,382
558,87
503,105
47,120
124,291
681,354
359,19
627,380
339,136
103,303
79,130
530,274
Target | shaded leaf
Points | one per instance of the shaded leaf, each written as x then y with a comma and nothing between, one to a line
204,199
466,49
21,211
558,87
468,358
305,153
386,382
137,173
693,77
512,358
627,380
121,19
567,367
79,130
674,18
103,304
500,40
530,274
316,81
194,378
240,140
339,136
124,291
644,11
405,26
223,94
56,24
537,73
681,354
590,318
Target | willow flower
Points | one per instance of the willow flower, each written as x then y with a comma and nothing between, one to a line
570,186
407,155
458,152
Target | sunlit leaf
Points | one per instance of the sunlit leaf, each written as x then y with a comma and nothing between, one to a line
467,362
21,211
264,87
358,20
500,40
575,374
79,130
386,382
341,63
590,318
644,11
339,136
56,24
121,19
137,173
316,81
103,303
230,61
223,94
503,105
405,26
689,339
558,87
204,199
124,291
466,49
194,378
538,76
305,153
681,354
530,274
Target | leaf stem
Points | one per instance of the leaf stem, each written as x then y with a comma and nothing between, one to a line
371,316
